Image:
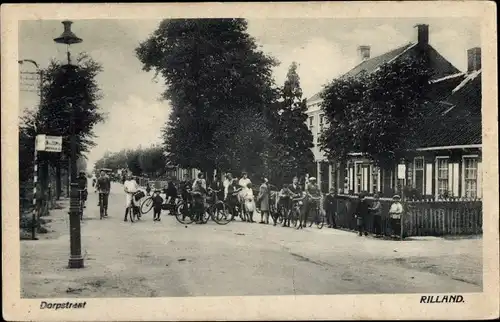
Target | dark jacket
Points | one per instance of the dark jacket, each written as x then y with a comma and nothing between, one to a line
362,208
330,203
82,182
157,201
103,184
295,190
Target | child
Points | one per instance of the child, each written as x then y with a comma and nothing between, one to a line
395,213
248,198
376,210
148,188
157,205
330,206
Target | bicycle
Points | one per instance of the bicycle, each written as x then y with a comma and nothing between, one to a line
217,210
131,211
295,211
102,211
319,218
183,213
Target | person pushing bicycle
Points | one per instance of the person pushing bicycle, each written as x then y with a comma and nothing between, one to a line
103,186
313,196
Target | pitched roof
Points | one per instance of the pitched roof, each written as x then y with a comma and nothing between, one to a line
449,130
370,65
460,123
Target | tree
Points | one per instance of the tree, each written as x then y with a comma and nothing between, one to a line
213,72
62,87
376,114
293,138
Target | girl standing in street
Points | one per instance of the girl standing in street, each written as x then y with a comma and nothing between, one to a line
263,200
249,202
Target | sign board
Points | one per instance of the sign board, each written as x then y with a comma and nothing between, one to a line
48,143
401,171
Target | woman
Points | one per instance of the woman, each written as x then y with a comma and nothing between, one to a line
249,202
263,200
243,183
232,197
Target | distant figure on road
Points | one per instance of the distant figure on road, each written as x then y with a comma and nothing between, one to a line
263,200
82,186
157,205
130,187
103,186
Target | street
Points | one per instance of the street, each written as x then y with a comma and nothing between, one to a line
162,259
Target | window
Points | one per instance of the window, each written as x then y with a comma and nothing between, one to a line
311,120
375,174
470,177
442,177
359,178
418,181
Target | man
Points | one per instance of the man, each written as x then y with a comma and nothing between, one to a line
103,186
185,188
130,187
330,206
295,188
199,193
82,186
313,195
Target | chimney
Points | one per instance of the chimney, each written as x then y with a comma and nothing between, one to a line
364,52
422,34
473,59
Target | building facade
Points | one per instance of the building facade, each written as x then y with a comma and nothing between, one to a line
447,163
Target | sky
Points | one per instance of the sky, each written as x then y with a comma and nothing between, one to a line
323,48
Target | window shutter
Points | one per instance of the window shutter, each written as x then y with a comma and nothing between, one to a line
428,179
456,179
479,180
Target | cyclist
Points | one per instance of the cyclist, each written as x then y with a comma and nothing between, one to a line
312,201
233,190
185,187
130,187
82,186
199,193
171,194
103,186
285,204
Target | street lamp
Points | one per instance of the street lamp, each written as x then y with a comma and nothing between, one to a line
76,260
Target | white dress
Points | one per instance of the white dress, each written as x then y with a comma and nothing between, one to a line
249,199
243,184
132,187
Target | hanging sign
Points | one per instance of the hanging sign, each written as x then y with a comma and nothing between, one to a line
48,143
401,171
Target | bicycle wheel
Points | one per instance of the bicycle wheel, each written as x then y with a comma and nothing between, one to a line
147,205
220,214
321,220
183,214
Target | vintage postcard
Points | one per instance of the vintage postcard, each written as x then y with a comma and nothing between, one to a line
250,161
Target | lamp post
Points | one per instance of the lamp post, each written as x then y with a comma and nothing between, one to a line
76,260
34,220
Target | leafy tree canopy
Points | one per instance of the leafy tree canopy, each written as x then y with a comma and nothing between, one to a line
376,114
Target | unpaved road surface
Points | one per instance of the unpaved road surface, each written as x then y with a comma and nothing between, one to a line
162,259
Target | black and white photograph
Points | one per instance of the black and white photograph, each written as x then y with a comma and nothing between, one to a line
215,158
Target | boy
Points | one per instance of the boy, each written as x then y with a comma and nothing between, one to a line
330,206
157,205
395,213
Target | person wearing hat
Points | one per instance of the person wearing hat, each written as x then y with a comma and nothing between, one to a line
313,194
376,210
395,215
